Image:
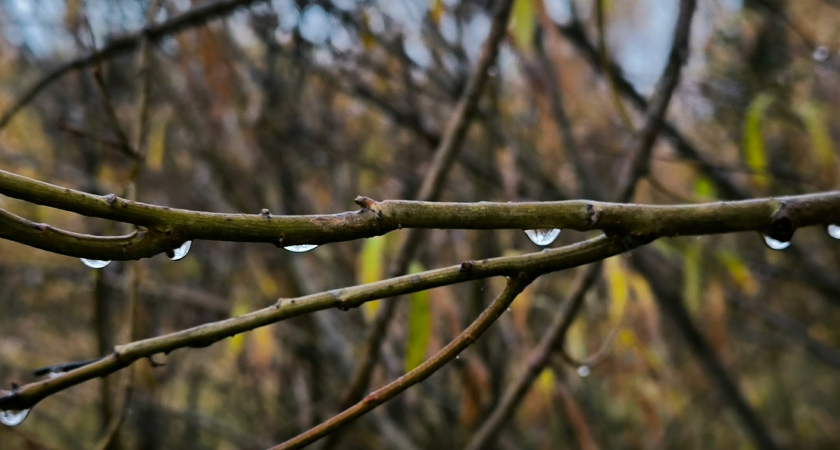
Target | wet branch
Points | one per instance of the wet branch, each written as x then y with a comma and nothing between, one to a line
514,286
532,265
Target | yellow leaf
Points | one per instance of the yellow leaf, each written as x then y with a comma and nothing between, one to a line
814,117
436,11
370,269
704,189
739,272
419,325
546,381
523,23
754,152
157,144
237,343
617,287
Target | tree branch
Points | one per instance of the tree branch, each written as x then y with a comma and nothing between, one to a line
167,228
127,43
465,339
533,265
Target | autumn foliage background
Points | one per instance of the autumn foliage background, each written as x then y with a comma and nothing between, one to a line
299,106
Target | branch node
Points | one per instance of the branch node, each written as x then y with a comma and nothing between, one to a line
365,202
781,226
467,266
266,213
110,199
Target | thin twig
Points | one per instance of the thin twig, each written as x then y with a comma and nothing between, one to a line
449,352
534,264
430,190
127,43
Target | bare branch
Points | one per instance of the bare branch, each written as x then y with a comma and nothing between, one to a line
533,265
423,371
124,44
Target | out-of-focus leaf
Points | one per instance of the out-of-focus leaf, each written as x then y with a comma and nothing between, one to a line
157,144
704,189
715,309
262,348
523,22
419,325
436,11
237,343
370,269
617,287
692,275
814,117
368,41
754,152
546,381
739,272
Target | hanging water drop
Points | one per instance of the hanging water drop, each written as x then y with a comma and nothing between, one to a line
181,252
95,263
775,244
821,53
13,418
833,231
584,371
301,248
543,236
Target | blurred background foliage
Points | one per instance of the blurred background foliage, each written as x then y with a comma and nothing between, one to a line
298,106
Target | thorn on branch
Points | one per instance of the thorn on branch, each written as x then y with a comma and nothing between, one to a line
365,202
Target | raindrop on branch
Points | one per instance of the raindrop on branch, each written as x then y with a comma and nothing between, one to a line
301,248
775,244
821,53
833,231
13,418
180,252
584,371
95,263
543,236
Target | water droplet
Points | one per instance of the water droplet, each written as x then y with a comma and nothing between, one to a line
543,236
457,356
13,418
821,53
508,309
301,248
492,71
95,263
584,371
181,252
55,374
833,231
775,244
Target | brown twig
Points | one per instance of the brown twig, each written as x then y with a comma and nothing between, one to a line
533,264
429,191
637,166
436,362
127,43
